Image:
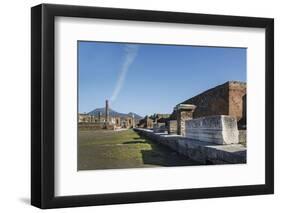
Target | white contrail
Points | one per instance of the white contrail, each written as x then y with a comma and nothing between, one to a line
131,52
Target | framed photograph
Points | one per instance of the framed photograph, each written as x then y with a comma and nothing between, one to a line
139,106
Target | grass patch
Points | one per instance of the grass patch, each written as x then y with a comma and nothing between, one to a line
105,149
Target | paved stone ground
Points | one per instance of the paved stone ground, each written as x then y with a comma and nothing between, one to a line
105,149
200,151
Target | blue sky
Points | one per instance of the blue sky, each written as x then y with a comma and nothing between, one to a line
151,78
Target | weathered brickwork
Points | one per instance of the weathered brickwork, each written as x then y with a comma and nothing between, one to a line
237,91
146,122
243,121
182,116
183,112
225,99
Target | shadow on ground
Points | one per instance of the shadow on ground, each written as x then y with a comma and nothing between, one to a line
124,149
160,155
135,142
25,200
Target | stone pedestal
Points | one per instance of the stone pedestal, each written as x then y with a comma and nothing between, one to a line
159,128
220,129
184,112
172,127
118,121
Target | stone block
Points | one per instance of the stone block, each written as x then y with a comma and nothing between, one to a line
159,128
184,112
172,127
243,136
200,151
219,129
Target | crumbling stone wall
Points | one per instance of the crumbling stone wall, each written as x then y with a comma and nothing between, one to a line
182,116
172,127
146,122
242,124
95,126
237,91
225,99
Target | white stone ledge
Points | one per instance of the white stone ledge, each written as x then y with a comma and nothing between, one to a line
200,151
220,129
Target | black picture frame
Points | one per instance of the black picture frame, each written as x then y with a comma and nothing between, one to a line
43,101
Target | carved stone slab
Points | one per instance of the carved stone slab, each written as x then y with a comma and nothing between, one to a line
220,129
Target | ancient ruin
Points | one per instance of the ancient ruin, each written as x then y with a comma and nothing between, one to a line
217,129
209,128
105,118
225,99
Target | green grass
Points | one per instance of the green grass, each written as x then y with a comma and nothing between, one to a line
105,149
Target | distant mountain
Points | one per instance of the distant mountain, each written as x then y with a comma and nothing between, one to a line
136,116
113,113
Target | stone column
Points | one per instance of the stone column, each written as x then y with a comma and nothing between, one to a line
99,117
184,112
133,121
106,111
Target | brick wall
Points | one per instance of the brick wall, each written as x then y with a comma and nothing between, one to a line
225,99
236,93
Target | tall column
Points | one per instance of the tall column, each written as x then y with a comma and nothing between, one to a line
99,117
184,112
106,111
133,120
